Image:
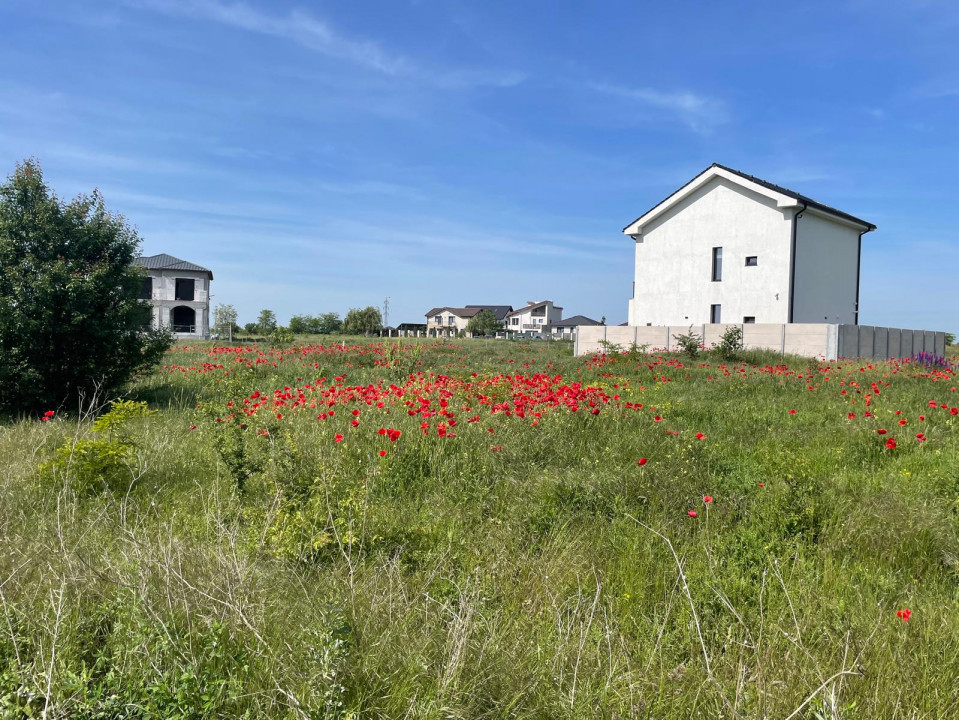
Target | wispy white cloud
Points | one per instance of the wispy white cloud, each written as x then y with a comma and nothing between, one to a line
698,112
316,34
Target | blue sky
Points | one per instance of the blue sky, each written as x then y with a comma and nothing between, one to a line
319,156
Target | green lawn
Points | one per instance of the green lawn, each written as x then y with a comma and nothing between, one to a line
467,529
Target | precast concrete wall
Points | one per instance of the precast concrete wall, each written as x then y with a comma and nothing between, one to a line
823,340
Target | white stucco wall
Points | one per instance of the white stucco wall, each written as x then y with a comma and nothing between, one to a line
673,259
827,254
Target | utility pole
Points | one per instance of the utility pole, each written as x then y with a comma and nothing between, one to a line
386,311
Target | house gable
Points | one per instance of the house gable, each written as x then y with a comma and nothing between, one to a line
784,199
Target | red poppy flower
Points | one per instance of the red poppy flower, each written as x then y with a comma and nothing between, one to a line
355,422
881,431
707,498
891,444
851,416
382,453
792,412
657,419
338,437
642,461
920,437
193,427
760,484
904,614
700,436
902,422
693,513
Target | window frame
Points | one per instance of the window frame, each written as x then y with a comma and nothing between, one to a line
715,314
717,264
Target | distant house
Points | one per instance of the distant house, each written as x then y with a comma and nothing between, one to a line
566,329
179,293
728,247
450,321
534,317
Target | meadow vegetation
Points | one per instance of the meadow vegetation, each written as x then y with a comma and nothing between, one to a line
486,529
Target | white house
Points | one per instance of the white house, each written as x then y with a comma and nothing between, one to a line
179,293
534,317
729,247
450,321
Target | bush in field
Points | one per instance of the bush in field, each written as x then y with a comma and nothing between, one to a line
281,336
689,344
731,343
107,461
71,323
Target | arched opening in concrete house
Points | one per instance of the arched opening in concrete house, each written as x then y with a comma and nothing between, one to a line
183,319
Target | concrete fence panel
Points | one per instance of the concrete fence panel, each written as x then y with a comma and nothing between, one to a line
763,336
656,337
807,339
881,342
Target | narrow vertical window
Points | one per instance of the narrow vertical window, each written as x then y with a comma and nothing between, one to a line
717,264
715,313
146,289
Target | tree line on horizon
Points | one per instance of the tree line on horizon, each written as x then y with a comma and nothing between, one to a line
358,321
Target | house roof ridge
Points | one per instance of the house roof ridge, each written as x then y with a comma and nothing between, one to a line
804,199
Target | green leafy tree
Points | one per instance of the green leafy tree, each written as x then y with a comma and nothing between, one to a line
71,321
251,328
266,322
363,322
484,323
224,320
329,323
303,324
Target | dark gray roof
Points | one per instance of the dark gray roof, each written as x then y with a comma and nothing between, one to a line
499,311
574,321
807,201
168,262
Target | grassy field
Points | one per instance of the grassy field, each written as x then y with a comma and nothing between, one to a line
479,529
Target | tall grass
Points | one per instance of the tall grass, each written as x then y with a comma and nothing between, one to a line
253,566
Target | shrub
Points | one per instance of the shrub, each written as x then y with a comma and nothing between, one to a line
731,343
689,344
71,321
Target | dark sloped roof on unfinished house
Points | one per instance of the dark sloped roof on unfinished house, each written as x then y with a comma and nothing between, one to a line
168,262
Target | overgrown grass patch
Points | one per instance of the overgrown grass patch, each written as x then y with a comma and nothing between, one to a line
488,529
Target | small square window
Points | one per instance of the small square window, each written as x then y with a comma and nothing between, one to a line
749,319
752,260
